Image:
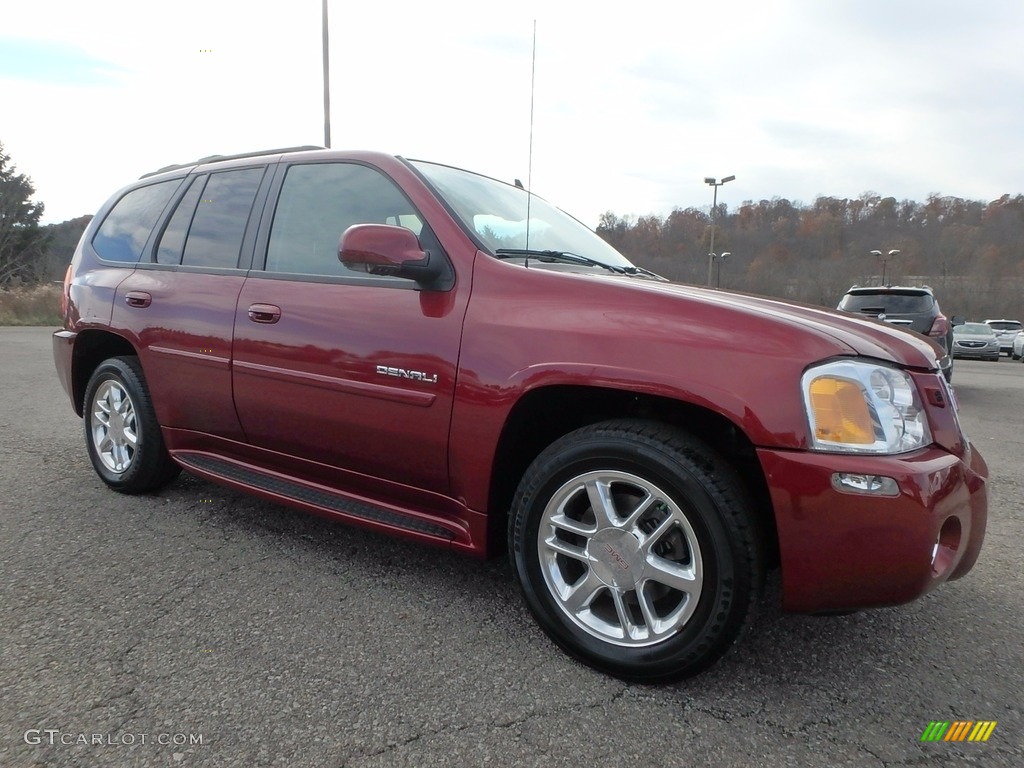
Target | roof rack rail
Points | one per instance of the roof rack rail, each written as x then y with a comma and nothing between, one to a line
239,156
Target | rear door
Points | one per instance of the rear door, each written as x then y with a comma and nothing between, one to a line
337,367
180,300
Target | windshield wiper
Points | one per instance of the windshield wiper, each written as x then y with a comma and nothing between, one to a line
571,258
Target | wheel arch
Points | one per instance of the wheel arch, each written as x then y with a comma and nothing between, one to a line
92,347
545,414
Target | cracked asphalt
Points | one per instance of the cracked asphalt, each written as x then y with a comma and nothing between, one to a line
276,638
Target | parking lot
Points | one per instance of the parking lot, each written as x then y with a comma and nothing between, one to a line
202,627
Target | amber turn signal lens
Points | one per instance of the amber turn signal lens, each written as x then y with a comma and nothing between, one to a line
840,412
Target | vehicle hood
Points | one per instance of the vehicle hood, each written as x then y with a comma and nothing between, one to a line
849,334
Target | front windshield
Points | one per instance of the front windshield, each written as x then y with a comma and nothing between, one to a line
976,329
497,213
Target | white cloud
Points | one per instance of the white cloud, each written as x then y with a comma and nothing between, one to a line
634,103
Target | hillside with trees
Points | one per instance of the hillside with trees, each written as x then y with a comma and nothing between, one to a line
970,252
62,240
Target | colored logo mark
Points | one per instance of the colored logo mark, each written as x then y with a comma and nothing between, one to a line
958,730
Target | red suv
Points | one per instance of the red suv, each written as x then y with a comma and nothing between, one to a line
434,354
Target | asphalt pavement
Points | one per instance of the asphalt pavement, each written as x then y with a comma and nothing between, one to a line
203,627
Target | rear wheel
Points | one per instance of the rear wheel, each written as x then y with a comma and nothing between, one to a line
121,432
635,548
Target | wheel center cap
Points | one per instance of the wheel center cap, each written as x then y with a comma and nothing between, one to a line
616,558
115,426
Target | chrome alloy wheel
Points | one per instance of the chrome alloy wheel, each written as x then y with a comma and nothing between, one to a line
113,426
620,558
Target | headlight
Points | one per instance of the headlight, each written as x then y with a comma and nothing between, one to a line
855,406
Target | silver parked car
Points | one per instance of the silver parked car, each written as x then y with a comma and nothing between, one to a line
975,340
1005,331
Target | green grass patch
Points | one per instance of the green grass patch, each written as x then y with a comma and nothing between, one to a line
31,305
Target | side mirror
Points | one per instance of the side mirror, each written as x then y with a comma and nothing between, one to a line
958,320
382,249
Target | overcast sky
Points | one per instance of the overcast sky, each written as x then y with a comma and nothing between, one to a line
635,102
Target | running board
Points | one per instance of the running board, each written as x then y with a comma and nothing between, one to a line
244,476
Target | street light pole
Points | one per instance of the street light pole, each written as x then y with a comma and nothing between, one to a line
711,181
884,258
327,80
718,273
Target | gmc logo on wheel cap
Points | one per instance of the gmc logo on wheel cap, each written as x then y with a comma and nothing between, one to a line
619,559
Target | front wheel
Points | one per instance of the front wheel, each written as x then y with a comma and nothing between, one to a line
635,548
121,431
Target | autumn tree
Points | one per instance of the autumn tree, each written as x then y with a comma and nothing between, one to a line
971,252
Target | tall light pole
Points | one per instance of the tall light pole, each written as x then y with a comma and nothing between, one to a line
711,181
884,258
327,82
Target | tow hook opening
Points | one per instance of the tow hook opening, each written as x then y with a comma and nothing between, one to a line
947,544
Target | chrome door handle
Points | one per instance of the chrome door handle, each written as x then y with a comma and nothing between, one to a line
264,313
138,299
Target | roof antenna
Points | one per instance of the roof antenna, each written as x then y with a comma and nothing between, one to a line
529,162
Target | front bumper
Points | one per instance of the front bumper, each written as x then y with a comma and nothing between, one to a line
842,550
992,350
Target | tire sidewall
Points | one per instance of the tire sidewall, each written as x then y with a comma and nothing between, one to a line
711,624
119,371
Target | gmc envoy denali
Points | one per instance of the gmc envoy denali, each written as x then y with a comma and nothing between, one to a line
434,354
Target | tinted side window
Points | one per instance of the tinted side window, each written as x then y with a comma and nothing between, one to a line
318,203
123,233
172,241
215,237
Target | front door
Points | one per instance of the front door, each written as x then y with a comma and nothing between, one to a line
342,368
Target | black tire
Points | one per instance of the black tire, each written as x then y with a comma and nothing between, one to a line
640,616
127,452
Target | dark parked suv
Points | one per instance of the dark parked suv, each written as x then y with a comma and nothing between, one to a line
434,354
914,308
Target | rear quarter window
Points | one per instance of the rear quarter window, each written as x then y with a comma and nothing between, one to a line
125,230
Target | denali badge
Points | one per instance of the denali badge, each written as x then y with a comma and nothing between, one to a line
403,373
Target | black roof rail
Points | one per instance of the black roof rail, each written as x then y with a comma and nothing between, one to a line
240,156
